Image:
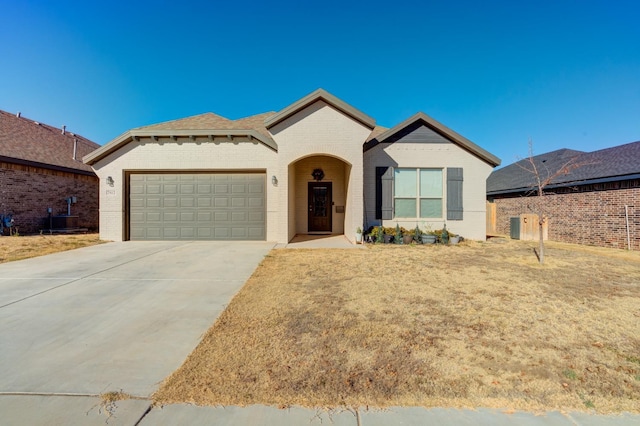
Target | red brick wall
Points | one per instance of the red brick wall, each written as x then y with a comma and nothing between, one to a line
27,192
591,218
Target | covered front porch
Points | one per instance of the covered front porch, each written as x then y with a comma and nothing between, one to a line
321,197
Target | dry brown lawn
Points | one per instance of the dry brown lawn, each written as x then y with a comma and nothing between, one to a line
474,325
23,247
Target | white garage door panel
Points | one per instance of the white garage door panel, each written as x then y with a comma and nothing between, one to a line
197,206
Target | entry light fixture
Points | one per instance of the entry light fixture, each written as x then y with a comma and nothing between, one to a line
274,180
110,181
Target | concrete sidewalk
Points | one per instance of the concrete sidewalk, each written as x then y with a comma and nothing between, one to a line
262,415
74,410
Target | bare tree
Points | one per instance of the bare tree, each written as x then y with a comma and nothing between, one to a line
543,177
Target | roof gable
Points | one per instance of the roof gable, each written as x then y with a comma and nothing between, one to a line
30,142
320,95
409,130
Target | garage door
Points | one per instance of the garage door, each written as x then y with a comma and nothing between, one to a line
197,206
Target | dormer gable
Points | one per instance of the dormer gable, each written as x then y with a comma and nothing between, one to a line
328,98
420,128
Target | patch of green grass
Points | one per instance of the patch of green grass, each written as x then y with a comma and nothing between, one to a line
570,374
587,402
633,359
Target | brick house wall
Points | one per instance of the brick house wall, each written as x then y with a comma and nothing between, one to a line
590,215
27,192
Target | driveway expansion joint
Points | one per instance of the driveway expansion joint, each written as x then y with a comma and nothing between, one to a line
70,394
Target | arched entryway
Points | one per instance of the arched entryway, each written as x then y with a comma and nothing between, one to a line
319,198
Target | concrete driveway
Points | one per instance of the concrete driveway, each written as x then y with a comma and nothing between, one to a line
118,316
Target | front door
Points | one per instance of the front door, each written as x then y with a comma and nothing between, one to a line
320,205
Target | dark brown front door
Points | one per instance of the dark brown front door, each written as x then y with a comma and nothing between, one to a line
320,206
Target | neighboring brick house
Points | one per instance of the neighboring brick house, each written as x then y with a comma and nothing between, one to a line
597,203
41,166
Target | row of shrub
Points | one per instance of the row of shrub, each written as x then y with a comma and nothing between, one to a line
401,235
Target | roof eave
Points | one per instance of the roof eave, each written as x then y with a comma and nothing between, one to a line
509,191
106,149
127,137
45,166
327,97
567,184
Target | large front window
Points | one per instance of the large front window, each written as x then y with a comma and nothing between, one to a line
418,193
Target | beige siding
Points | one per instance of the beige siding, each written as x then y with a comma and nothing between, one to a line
433,155
183,155
288,227
320,130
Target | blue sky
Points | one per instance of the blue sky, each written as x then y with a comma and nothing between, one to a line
563,73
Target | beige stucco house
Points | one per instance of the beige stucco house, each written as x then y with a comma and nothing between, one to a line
317,166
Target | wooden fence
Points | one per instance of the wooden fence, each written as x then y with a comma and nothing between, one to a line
525,228
492,228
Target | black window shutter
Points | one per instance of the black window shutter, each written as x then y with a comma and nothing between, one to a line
379,172
384,192
454,193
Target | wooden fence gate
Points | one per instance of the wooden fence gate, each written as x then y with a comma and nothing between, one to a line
491,219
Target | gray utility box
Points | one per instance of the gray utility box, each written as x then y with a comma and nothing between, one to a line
514,228
64,222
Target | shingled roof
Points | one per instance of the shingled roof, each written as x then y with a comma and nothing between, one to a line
25,141
259,127
208,120
197,125
211,121
606,165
